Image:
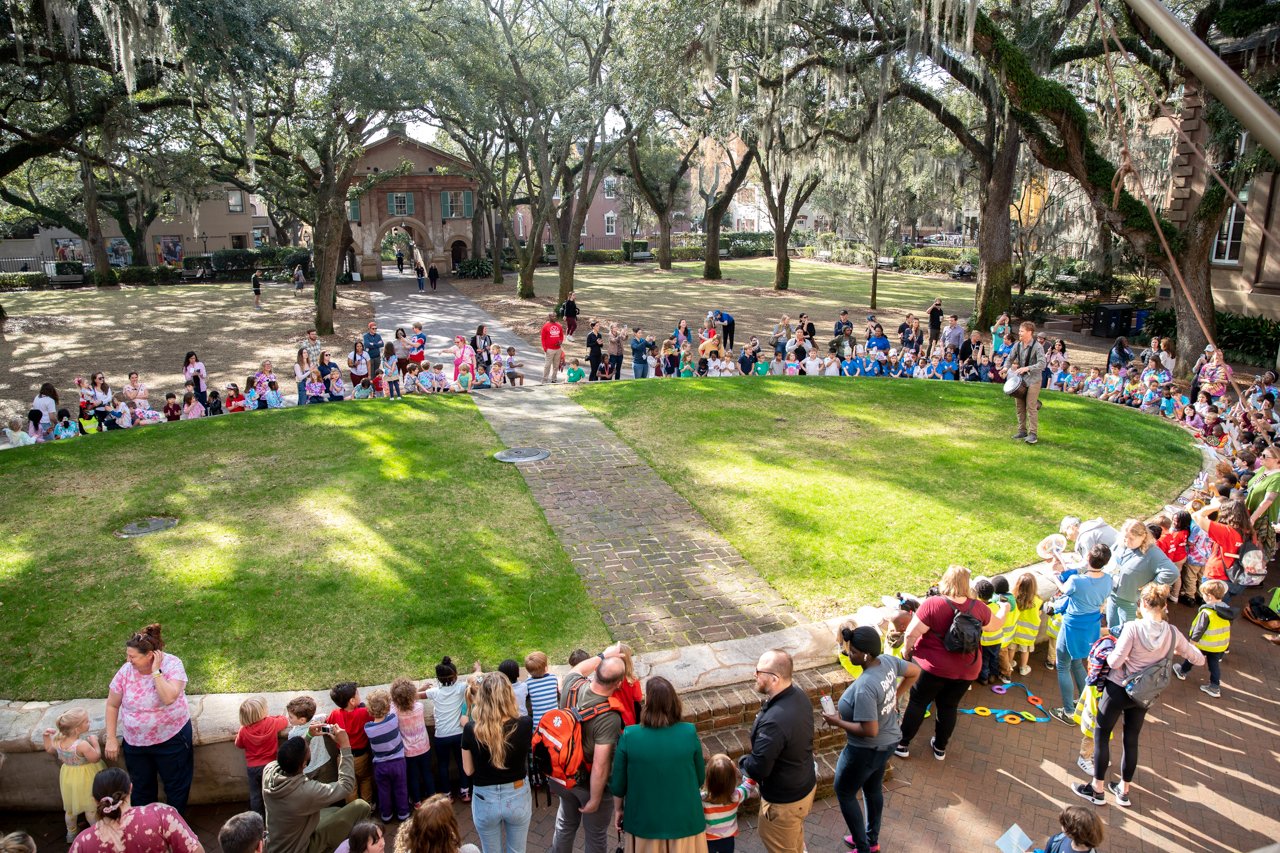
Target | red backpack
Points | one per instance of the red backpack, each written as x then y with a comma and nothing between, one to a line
557,742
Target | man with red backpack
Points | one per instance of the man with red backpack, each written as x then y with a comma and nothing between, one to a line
576,743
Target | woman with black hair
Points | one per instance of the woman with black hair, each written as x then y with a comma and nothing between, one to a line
1120,354
447,697
151,828
193,371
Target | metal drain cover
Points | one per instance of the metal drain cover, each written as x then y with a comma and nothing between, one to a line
522,454
144,526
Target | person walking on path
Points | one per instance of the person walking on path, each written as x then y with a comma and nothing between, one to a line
570,312
946,674
373,347
552,341
589,803
400,261
421,275
433,275
781,757
868,713
658,772
1027,359
299,280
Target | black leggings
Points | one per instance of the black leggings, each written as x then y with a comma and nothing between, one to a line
945,694
1115,702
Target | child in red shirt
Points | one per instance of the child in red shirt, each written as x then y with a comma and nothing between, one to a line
259,737
351,716
172,411
234,400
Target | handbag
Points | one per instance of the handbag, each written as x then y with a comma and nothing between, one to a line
1145,687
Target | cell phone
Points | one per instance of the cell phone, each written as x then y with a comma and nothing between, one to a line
828,707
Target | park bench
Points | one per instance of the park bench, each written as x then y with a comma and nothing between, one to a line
824,255
724,253
886,262
962,272
642,256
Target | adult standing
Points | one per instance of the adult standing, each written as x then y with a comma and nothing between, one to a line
301,373
148,718
433,275
358,363
589,803
1135,562
868,714
1260,500
725,319
953,334
480,343
658,772
136,391
1215,376
781,757
935,326
1120,355
123,826
299,280
844,324
1142,643
639,354
1080,603
1027,359
312,344
421,275
782,332
373,347
595,350
617,336
912,337
463,353
946,675
1087,534
400,343
683,334
552,339
46,402
495,756
571,313
256,283
262,382
193,371
301,817
806,325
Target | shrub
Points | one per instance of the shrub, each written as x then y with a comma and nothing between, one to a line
924,263
299,257
688,253
23,281
743,249
1252,340
749,243
1035,307
68,268
630,246
103,278
274,256
605,256
475,268
195,262
952,252
235,259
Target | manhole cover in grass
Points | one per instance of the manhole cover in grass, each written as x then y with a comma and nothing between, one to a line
145,526
521,454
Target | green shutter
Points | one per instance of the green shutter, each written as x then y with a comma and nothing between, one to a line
445,211
391,204
353,209
409,203
467,202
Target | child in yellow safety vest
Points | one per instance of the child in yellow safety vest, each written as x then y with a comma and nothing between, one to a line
1027,626
992,632
1210,633
1010,625
1053,626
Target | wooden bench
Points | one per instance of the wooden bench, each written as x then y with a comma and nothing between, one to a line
724,253
642,256
886,263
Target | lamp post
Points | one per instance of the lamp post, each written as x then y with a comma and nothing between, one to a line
204,238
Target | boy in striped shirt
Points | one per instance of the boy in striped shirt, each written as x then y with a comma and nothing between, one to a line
542,687
389,769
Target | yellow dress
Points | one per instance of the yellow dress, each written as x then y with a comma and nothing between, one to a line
76,778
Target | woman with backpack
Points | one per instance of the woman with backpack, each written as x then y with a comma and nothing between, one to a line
1141,664
944,638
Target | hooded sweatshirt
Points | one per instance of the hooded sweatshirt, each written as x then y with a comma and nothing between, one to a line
1144,642
294,803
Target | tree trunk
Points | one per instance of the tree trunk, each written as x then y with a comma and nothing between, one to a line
1106,249
995,237
1194,264
93,227
477,233
781,257
568,265
495,247
664,240
875,281
711,257
326,255
528,263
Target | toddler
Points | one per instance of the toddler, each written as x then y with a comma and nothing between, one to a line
17,435
1113,385
301,713
1081,831
214,406
172,411
465,379
413,378
191,408
390,372
704,367
497,372
350,716
992,632
417,746
724,790
812,365
439,381
315,387
542,688
65,427
337,388
514,375
1007,600
792,365
777,367
575,372
1211,634
389,773
81,759
250,395
1027,628
259,737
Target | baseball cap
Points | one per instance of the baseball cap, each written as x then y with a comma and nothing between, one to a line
1067,523
1209,348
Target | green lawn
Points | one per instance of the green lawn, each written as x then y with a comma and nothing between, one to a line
842,490
358,541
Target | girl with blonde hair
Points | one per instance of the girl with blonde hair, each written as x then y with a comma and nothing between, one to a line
629,691
81,758
495,755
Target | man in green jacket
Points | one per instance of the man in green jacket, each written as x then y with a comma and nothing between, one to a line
300,817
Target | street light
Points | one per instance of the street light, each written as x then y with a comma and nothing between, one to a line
204,237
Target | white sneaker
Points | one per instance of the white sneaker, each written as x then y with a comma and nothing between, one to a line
1085,764
1024,670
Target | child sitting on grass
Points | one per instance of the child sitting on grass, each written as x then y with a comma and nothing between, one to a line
65,427
439,381
464,381
514,374
234,401
172,411
191,408
259,737
575,372
214,406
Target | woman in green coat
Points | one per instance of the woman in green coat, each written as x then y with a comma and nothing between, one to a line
657,777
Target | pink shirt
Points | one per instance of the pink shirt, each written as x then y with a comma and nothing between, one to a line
157,828
413,730
144,719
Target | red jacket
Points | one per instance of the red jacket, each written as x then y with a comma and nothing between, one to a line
261,740
552,335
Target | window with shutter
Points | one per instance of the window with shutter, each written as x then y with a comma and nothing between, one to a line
353,209
446,209
391,204
408,204
467,202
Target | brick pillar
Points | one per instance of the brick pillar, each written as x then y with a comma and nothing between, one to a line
1188,167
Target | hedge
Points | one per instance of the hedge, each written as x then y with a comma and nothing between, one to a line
923,263
1253,340
23,281
952,252
475,268
601,256
147,275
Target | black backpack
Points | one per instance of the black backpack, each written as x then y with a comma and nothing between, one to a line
965,633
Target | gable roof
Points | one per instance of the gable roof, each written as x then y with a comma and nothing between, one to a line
399,136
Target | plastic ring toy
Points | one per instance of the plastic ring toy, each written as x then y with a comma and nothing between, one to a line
1030,717
1000,689
1036,700
1012,719
982,712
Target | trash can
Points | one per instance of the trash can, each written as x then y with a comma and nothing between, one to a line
1112,321
1140,319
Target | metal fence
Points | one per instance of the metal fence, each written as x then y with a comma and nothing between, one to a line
30,264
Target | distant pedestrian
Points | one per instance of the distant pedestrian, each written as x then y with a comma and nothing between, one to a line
256,281
552,341
433,275
400,261
299,279
570,312
422,281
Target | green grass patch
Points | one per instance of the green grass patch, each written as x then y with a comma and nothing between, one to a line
841,490
357,541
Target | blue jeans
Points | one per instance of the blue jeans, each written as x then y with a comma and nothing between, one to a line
172,761
990,662
861,769
640,369
1070,674
499,808
446,748
302,393
1119,612
1214,661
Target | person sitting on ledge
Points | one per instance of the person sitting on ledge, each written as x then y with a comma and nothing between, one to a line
299,816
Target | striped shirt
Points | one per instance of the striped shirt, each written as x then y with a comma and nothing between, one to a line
544,695
384,739
722,818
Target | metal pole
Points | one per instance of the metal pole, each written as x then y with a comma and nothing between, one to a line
1244,103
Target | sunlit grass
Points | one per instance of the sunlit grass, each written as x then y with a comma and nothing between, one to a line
842,490
357,541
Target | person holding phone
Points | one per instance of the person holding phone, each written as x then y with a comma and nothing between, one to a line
300,811
935,326
149,721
